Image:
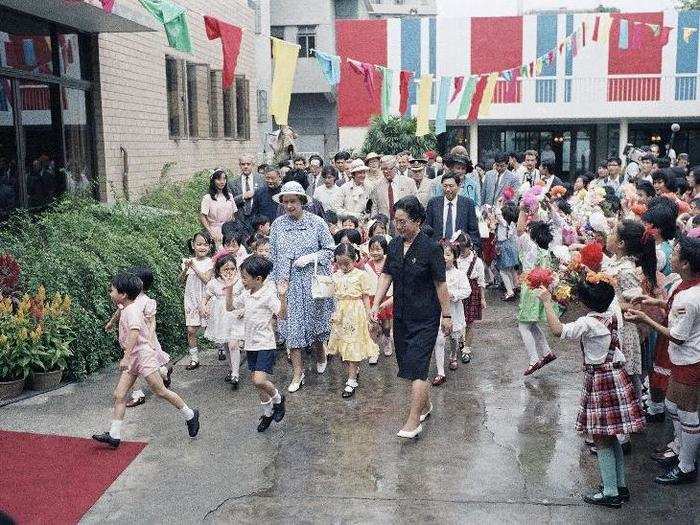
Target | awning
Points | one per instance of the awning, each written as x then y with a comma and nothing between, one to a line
87,15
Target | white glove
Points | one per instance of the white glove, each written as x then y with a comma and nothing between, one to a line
304,260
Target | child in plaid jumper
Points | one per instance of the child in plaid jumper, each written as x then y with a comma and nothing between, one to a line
609,404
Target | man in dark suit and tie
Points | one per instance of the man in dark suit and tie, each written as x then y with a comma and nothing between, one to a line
452,212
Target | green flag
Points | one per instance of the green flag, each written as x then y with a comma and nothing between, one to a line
174,19
387,75
466,101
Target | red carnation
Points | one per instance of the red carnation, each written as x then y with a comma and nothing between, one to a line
539,277
592,256
508,193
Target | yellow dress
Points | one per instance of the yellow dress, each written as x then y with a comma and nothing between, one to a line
349,325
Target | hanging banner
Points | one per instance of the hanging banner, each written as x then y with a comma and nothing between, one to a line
476,99
443,101
174,20
367,72
458,84
425,87
387,75
688,33
230,45
405,79
467,95
107,5
284,60
330,66
487,98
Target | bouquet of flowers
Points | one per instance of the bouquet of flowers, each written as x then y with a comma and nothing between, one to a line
539,276
591,256
557,192
532,198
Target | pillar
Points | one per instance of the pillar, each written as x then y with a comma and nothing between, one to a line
474,142
624,136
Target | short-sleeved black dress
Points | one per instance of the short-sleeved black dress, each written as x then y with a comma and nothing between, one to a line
416,305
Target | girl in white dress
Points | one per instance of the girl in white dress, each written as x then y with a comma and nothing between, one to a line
196,273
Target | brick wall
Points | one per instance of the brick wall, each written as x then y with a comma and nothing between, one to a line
133,108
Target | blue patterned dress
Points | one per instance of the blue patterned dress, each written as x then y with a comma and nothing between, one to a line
308,319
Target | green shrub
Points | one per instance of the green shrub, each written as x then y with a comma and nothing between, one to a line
78,245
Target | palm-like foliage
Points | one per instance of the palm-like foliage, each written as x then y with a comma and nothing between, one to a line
396,135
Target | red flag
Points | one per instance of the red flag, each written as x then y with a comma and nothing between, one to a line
476,98
532,69
583,34
458,83
596,29
405,79
663,37
230,45
107,5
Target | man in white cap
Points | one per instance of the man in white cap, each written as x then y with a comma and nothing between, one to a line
425,186
354,194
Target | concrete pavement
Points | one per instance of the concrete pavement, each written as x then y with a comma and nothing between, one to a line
498,449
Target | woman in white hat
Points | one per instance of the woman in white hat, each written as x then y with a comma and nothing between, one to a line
301,245
374,175
354,194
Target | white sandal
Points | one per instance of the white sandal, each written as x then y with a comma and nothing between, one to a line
296,385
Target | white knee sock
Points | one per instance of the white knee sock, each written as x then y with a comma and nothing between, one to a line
115,430
234,358
529,341
194,354
507,281
136,394
672,409
187,412
266,408
440,354
690,440
277,398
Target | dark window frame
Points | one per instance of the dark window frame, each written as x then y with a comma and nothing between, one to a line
306,38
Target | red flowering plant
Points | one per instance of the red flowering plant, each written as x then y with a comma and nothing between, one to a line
9,275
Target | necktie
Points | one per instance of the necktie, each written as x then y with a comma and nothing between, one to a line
248,203
448,222
390,194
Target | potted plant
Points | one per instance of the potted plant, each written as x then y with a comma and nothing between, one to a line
16,342
52,336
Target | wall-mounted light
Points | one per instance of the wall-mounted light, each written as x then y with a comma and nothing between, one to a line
558,139
656,138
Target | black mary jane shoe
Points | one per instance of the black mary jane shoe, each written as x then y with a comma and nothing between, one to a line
234,383
222,355
278,410
676,476
264,424
107,439
193,424
600,499
194,365
167,381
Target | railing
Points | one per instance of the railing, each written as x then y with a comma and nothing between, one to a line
623,88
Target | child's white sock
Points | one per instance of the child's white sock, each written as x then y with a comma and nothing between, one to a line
194,354
163,371
266,408
115,430
352,382
187,412
277,398
234,358
137,394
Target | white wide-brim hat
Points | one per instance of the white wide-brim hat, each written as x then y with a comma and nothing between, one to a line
291,188
358,165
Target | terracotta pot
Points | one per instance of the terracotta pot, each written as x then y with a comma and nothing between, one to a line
10,389
45,380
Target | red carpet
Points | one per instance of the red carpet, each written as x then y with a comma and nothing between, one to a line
56,479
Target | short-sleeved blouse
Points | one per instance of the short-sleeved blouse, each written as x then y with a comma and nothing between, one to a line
218,210
414,275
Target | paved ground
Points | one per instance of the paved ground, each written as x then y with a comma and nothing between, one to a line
499,449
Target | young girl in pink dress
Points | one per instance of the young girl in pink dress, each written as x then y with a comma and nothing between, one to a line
381,332
196,273
217,207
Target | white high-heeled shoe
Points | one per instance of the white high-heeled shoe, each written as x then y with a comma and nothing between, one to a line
296,385
425,416
410,434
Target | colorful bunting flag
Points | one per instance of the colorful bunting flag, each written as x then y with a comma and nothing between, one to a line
284,59
107,5
663,37
458,84
230,45
367,72
404,82
425,87
467,95
174,20
507,75
443,101
655,28
539,65
330,66
688,33
596,29
574,44
606,22
477,98
623,40
387,75
583,34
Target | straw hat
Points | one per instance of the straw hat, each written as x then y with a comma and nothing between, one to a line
372,155
357,165
291,188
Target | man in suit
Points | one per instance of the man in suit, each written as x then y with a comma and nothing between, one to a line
547,176
452,212
390,189
263,204
497,179
315,179
244,187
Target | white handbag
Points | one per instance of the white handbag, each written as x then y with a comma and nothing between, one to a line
483,225
321,285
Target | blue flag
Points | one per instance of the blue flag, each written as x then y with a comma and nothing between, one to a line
330,66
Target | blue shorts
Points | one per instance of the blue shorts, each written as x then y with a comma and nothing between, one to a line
261,360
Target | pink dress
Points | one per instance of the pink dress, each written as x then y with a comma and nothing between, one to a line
218,211
142,359
194,292
149,312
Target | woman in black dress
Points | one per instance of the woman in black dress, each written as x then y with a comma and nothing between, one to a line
416,267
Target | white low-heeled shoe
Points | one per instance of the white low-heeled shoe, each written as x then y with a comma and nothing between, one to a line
425,416
296,385
410,434
321,367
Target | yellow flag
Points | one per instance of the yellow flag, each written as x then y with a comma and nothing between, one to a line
284,56
487,99
687,33
604,29
425,87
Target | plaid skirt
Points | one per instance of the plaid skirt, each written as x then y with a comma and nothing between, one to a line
488,249
609,404
472,304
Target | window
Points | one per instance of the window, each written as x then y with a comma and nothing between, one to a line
306,38
242,86
262,106
230,112
216,109
277,32
198,100
175,88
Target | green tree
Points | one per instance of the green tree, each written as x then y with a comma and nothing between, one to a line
396,135
690,5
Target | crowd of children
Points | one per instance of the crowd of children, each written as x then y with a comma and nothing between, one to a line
629,256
